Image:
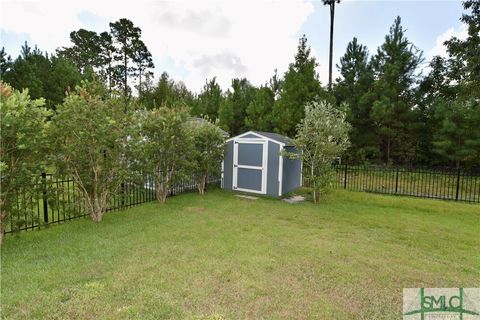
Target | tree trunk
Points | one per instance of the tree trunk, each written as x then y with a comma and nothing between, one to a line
314,184
332,16
110,79
140,83
201,184
125,77
3,216
162,188
388,150
96,205
316,197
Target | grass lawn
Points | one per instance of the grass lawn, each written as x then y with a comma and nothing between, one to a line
222,257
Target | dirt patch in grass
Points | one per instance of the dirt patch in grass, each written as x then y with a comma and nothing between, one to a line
195,209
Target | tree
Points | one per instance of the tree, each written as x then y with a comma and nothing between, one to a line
5,62
275,83
433,90
130,49
395,71
300,86
322,137
45,76
464,60
167,92
208,150
331,3
106,57
163,146
209,100
86,50
143,59
89,137
226,117
352,89
233,111
259,111
458,136
29,71
22,147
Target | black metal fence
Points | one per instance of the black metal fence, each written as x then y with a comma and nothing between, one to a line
50,200
434,183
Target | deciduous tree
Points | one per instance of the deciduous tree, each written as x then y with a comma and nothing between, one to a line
322,137
23,147
208,150
164,145
89,139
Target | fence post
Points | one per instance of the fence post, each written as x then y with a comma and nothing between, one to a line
44,197
396,181
122,195
345,177
458,184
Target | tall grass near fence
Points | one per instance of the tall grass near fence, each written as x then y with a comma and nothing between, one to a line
434,183
51,199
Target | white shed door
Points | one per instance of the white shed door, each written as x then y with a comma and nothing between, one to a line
250,165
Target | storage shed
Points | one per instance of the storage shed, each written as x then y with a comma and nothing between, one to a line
253,163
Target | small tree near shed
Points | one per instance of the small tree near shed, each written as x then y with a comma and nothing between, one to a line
322,136
208,151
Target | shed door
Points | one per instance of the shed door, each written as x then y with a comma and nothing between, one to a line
250,165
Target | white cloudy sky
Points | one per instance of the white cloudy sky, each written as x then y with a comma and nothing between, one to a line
196,40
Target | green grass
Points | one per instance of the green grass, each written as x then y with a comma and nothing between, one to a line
220,256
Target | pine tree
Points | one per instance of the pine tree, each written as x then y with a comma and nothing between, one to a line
300,86
45,76
107,55
395,70
143,60
209,100
166,93
464,55
85,51
352,89
125,35
233,111
259,111
5,62
458,137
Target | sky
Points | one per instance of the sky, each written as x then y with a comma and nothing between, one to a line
196,40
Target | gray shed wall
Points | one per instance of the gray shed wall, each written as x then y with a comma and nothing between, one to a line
272,171
228,167
292,172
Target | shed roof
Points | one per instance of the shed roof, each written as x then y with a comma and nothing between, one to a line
277,137
202,121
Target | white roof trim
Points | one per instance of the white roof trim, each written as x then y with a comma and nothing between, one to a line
258,135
